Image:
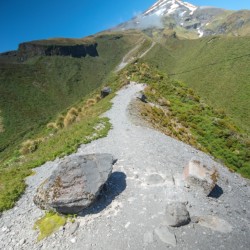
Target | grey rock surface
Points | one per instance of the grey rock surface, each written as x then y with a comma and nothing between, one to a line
75,183
165,235
215,224
129,210
177,214
200,176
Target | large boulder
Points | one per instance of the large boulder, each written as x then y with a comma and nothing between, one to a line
75,184
200,176
177,214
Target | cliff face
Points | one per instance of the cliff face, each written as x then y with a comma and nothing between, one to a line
27,50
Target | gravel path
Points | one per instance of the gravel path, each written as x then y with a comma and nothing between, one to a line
130,213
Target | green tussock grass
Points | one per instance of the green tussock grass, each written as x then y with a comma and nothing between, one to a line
184,115
50,223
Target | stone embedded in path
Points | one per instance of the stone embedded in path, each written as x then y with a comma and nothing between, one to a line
75,184
177,214
200,176
154,179
165,235
142,97
215,224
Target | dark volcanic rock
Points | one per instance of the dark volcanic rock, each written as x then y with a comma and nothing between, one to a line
75,184
105,92
31,49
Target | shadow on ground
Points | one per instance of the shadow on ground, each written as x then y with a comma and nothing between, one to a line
115,185
216,192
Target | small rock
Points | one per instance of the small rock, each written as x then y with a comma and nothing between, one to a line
142,97
73,240
154,179
165,235
73,228
177,214
200,176
105,92
215,224
21,242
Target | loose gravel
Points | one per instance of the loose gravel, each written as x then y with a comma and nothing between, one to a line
130,212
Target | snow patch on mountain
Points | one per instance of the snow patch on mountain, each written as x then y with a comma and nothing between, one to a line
168,7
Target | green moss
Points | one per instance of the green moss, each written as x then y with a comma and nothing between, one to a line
49,224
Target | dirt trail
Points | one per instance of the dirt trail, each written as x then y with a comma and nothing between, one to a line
130,212
130,56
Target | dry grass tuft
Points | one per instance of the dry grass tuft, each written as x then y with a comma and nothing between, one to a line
30,146
91,102
98,98
52,125
60,122
73,111
70,117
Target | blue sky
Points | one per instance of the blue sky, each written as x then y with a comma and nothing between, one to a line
25,20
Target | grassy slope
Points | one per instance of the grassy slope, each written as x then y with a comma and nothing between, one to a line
41,90
217,68
34,92
56,143
187,117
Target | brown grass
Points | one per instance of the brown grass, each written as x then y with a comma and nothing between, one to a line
91,102
52,125
30,146
98,98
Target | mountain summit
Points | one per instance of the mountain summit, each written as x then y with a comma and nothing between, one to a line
190,21
166,7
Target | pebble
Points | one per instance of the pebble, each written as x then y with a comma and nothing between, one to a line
73,240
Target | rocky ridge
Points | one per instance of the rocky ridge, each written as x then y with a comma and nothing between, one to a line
133,210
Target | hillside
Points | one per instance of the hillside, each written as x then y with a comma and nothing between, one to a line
174,119
38,89
216,67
